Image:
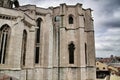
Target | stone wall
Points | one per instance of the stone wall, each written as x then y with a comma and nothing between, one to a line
55,38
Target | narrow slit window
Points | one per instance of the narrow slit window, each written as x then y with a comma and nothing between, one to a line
24,42
86,53
37,55
37,45
4,34
71,48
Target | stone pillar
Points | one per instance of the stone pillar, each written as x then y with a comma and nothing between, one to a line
30,50
82,48
82,41
50,50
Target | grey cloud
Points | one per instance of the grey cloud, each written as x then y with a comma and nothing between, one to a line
108,42
30,2
106,48
110,5
112,23
106,8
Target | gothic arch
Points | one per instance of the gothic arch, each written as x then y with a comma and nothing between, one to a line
5,25
71,48
4,42
38,21
37,42
24,45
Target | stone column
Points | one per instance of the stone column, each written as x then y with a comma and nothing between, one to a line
30,50
82,48
82,41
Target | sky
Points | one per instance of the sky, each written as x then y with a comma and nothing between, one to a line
106,15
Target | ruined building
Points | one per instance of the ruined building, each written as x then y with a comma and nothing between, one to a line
55,43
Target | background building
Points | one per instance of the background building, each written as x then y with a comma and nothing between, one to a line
108,68
56,43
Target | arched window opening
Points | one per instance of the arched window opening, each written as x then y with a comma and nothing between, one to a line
70,19
24,42
38,30
71,48
37,52
4,37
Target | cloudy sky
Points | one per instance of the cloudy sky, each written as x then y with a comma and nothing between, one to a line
106,22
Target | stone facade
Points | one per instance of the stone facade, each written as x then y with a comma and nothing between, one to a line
56,43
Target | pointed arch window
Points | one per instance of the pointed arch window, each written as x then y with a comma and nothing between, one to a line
71,48
71,19
4,37
24,42
37,49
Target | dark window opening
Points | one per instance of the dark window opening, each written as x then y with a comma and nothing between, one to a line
97,68
71,48
102,74
70,20
24,55
37,52
24,42
1,50
39,22
4,34
38,36
85,53
103,67
5,48
38,30
37,55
